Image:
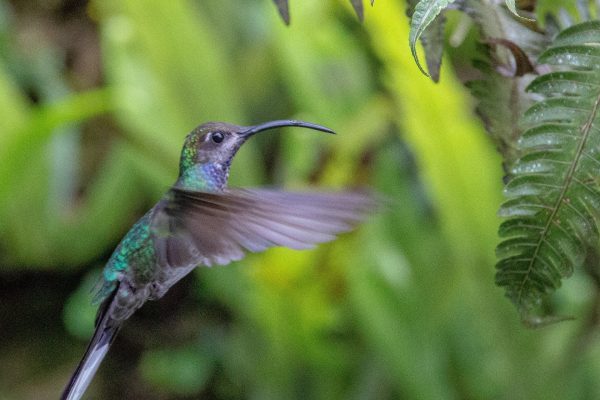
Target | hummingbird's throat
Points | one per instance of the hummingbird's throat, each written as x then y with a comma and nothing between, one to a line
207,177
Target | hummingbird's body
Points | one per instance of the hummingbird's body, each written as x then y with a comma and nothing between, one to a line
199,221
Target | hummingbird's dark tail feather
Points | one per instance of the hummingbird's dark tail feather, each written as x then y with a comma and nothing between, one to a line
106,330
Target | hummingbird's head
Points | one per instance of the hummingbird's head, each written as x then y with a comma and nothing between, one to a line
209,149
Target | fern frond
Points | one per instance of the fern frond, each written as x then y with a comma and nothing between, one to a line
553,210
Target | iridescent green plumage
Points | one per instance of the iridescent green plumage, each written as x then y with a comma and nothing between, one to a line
136,250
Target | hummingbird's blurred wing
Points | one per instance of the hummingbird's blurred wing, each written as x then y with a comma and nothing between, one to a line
199,228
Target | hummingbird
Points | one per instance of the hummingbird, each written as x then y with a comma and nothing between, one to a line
200,221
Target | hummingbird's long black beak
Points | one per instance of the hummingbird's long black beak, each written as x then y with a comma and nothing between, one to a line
281,123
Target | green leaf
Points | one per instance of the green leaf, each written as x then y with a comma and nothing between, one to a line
553,210
513,8
425,13
432,41
433,44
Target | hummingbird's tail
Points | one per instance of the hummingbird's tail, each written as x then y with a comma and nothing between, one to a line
106,330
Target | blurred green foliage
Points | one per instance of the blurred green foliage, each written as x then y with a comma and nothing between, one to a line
403,308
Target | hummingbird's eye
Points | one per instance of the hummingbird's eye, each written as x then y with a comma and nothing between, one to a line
217,137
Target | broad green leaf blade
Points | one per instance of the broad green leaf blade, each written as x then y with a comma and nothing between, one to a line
425,13
284,11
553,211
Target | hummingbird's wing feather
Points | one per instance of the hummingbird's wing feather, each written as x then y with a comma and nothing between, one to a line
202,228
